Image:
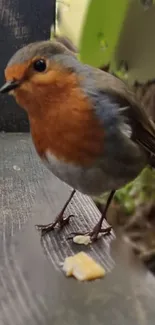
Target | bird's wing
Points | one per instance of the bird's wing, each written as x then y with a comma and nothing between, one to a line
143,129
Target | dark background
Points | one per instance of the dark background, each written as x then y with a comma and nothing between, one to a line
21,22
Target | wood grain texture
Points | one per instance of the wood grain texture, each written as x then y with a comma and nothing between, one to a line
33,289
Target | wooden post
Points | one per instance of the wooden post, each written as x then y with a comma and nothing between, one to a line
22,22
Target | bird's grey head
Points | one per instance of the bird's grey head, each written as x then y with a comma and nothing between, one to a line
46,49
37,59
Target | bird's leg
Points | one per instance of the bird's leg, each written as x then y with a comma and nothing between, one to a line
60,220
98,227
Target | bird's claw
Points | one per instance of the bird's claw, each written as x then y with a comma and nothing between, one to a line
94,235
65,221
45,228
61,222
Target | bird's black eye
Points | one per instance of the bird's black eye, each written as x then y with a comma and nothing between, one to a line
39,65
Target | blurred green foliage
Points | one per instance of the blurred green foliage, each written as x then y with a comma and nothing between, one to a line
139,191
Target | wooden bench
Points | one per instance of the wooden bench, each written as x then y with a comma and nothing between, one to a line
33,288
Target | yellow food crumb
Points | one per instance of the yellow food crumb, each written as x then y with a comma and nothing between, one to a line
82,240
83,267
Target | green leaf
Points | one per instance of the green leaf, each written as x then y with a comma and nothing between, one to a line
101,31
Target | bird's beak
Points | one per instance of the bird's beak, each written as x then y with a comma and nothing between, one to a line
9,85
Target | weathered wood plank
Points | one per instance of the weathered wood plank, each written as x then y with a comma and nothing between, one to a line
33,290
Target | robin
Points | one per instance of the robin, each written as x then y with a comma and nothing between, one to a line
87,125
66,42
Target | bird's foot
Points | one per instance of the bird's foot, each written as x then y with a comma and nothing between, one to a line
94,234
60,221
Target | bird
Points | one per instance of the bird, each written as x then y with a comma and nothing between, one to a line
86,124
66,42
145,93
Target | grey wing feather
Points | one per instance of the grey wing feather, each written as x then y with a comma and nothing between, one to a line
143,128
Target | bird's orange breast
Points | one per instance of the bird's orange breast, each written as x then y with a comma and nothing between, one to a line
62,121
